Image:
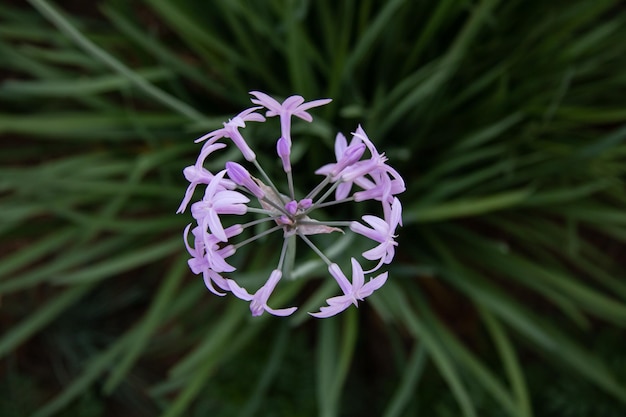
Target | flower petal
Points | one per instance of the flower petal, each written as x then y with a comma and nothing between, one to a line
238,291
372,285
281,311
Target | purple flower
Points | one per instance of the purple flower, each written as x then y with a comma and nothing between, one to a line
346,156
381,231
283,149
258,301
199,263
242,177
383,188
352,293
231,131
199,175
218,200
289,212
292,106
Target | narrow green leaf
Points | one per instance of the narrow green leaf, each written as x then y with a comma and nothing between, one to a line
437,351
66,26
77,87
410,377
121,263
372,33
46,245
40,318
268,375
153,318
98,365
466,208
512,365
480,373
333,361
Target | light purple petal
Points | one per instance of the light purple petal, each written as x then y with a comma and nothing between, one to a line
238,291
216,134
396,214
340,277
343,190
281,311
377,224
265,101
372,285
341,143
301,110
283,148
188,194
357,227
292,102
357,275
215,225
210,276
325,170
378,252
191,250
241,143
249,115
326,312
217,261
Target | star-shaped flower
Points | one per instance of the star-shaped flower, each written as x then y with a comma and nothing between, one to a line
207,263
231,131
218,200
292,106
258,301
199,175
346,156
352,293
382,231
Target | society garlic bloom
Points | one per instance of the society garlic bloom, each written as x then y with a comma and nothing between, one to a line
233,192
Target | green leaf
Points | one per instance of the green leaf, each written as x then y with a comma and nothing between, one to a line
40,318
467,207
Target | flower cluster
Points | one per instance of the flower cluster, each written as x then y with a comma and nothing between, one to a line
234,191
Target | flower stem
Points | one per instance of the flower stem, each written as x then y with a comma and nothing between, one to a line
269,181
290,183
323,197
259,211
332,203
321,222
260,235
315,249
319,187
257,221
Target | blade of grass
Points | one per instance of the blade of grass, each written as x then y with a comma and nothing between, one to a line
40,318
446,68
467,207
511,363
65,26
121,263
538,332
326,363
370,36
93,370
139,338
437,352
77,87
46,245
268,375
82,125
480,373
410,378
199,378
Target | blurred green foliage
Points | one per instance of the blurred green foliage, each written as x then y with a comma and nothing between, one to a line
507,120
